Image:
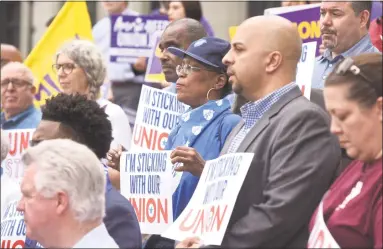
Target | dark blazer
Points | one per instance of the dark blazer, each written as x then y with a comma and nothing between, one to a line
284,184
121,220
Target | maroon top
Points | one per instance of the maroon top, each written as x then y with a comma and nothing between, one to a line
358,222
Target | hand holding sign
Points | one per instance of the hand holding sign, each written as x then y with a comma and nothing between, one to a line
193,242
114,156
192,161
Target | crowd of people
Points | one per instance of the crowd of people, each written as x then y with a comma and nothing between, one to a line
317,163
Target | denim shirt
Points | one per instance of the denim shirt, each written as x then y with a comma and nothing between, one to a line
324,64
28,119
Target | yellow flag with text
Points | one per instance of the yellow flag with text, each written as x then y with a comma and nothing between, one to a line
72,22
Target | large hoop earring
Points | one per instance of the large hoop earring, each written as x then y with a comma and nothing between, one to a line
208,92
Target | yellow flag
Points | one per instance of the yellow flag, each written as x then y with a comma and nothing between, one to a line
72,22
232,31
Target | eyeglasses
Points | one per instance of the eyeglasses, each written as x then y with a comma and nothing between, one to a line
186,69
16,83
67,68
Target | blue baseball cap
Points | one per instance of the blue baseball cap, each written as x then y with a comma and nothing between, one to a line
208,50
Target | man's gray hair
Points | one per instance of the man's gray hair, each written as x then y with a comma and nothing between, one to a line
4,145
86,55
63,165
26,71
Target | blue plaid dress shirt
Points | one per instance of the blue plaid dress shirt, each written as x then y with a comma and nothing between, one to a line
253,111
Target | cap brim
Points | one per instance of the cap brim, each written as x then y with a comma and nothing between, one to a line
181,53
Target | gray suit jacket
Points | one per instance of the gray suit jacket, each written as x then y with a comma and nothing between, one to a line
284,184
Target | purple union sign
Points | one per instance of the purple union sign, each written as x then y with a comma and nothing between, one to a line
132,36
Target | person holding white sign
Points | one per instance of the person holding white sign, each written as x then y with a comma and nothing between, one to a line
10,195
350,215
295,155
202,85
80,69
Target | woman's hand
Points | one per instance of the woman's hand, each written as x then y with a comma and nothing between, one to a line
189,157
113,156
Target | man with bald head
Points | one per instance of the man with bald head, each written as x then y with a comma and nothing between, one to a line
17,95
179,34
295,156
9,53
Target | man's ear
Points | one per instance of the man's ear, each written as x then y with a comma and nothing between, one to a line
274,60
33,90
364,18
379,103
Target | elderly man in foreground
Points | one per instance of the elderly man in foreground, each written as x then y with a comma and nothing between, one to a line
63,196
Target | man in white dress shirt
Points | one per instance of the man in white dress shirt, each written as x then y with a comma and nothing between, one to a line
63,196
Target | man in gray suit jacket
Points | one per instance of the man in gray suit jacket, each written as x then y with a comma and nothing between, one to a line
295,156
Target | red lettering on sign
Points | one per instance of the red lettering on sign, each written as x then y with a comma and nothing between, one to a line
303,89
149,138
11,244
152,210
194,220
19,142
318,243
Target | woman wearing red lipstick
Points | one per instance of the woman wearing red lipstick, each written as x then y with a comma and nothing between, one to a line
350,214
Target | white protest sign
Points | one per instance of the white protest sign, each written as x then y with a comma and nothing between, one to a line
157,114
18,143
13,228
146,181
320,236
306,68
208,212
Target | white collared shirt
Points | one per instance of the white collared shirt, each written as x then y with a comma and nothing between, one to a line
121,132
97,238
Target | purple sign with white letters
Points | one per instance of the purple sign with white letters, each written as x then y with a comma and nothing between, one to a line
131,36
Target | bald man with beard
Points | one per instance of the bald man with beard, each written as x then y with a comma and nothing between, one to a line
295,156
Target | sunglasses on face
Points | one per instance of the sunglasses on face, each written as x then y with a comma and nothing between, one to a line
17,83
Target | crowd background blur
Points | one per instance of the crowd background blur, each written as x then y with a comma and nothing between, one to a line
24,25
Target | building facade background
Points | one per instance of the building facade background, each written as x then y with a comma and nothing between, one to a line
25,22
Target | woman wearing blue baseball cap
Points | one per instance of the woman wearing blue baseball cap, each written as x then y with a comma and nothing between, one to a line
203,85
